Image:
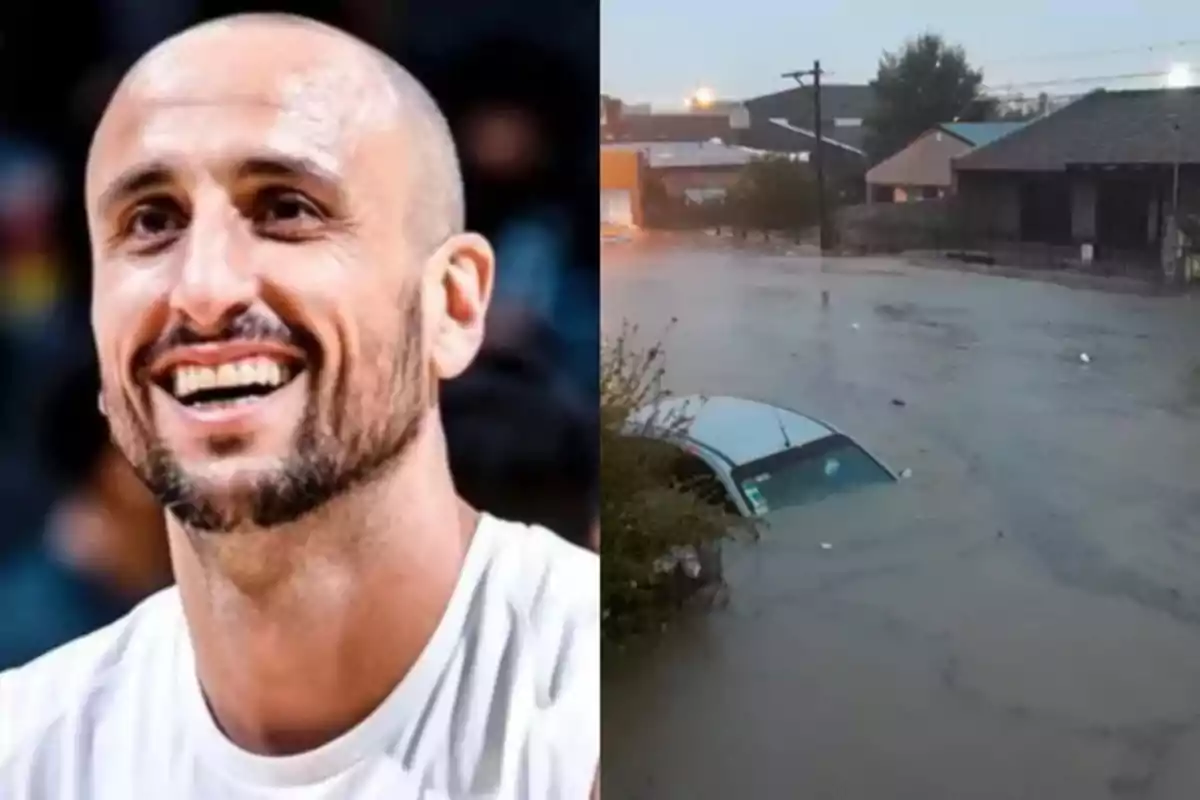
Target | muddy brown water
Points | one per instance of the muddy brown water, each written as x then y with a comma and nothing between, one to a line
1020,619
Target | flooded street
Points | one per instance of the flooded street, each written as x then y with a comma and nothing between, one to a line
1020,619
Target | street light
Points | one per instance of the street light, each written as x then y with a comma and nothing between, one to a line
703,97
1179,76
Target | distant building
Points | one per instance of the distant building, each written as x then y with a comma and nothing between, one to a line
1100,171
640,123
692,171
922,170
785,121
690,152
621,176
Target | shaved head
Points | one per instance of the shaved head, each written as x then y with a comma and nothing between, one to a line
274,202
431,159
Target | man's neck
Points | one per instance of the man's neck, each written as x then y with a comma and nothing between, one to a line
338,612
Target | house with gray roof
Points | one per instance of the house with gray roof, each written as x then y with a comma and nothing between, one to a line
693,171
785,122
844,109
1100,171
922,169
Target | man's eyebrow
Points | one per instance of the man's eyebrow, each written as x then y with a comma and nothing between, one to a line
134,181
269,165
295,168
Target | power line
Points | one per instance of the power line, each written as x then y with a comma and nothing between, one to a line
1154,47
1016,97
1006,92
1086,54
1078,79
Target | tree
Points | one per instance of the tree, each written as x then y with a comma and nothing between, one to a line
774,193
657,202
926,83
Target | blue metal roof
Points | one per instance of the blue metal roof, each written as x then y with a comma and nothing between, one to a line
977,134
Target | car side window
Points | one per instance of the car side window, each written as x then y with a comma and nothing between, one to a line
694,472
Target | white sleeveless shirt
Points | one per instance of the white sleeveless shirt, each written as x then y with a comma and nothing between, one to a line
504,702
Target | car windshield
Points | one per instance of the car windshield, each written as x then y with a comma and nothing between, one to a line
807,474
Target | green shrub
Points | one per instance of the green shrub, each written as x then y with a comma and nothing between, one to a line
644,511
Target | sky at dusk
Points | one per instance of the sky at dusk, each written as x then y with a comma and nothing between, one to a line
658,51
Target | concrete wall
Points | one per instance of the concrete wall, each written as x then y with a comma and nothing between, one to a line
678,180
990,204
894,227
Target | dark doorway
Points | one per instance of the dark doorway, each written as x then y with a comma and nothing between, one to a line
1046,210
1123,212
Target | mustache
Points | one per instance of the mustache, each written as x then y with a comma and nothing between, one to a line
245,327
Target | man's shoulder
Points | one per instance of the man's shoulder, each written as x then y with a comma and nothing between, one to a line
551,602
35,696
543,574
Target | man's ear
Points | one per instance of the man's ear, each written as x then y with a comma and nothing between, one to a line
458,292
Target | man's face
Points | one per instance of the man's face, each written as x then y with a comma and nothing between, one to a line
257,301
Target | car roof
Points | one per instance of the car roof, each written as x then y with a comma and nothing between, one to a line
737,428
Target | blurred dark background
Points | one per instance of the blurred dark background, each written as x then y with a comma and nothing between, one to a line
79,541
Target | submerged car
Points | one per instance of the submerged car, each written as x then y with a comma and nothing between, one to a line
761,457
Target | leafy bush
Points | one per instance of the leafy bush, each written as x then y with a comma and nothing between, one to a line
774,193
645,513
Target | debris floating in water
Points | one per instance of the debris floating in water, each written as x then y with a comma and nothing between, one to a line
826,546
855,325
683,557
906,473
1085,358
896,401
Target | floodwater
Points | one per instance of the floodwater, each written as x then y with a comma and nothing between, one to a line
1020,619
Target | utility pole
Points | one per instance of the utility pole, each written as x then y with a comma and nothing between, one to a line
1176,248
818,148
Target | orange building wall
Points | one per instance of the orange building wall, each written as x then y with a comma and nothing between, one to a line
622,169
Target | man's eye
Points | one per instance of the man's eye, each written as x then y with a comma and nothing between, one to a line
285,208
154,220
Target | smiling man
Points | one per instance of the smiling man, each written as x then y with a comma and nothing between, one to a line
282,280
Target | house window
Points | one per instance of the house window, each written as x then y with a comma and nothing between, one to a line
704,195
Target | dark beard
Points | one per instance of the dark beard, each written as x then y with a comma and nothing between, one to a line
321,467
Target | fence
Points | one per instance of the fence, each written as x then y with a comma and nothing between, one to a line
944,227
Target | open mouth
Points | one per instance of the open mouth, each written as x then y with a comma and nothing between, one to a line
237,382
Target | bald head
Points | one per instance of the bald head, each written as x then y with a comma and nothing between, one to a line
337,87
273,188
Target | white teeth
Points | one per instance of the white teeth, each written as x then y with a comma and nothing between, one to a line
188,379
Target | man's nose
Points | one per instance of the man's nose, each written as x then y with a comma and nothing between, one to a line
215,283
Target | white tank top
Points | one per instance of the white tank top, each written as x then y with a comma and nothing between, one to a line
503,703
